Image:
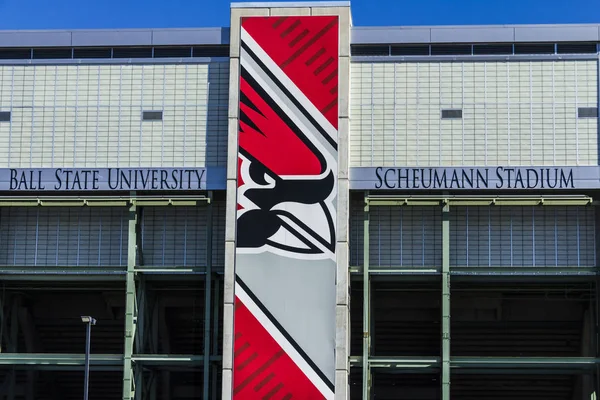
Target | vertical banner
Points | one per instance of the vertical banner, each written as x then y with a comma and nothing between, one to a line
284,319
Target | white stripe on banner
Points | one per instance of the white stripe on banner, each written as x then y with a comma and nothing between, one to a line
283,342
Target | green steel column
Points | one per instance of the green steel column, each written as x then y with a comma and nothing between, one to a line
207,296
130,307
366,381
446,302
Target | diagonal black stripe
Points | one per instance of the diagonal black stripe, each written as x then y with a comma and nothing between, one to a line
311,232
246,101
287,93
247,361
284,117
287,396
246,120
286,335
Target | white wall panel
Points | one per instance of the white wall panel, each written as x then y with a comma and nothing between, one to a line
514,113
90,115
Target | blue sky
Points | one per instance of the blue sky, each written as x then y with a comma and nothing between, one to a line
77,14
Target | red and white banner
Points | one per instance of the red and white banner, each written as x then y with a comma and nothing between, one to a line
284,327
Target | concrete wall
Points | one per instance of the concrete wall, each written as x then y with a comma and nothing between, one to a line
515,113
91,115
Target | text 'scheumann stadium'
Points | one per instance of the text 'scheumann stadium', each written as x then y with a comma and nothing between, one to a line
299,208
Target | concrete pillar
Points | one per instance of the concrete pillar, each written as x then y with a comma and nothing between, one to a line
342,339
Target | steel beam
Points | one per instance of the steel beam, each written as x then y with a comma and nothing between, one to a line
446,302
366,378
556,200
483,365
171,359
417,364
207,299
130,307
101,201
523,365
61,360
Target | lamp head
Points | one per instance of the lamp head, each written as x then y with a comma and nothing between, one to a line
88,320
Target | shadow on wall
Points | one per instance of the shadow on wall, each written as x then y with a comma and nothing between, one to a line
216,114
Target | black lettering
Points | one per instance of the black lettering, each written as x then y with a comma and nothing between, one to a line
467,178
400,177
437,180
163,179
86,174
31,181
555,178
499,175
110,183
23,181
519,178
379,179
57,173
13,179
144,179
529,185
423,180
454,179
76,181
174,176
68,174
200,176
40,183
415,179
482,179
154,179
189,178
509,170
564,180
180,179
385,178
126,178
95,179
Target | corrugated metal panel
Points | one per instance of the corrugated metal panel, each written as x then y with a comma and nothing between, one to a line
174,236
514,113
400,237
522,236
90,115
60,236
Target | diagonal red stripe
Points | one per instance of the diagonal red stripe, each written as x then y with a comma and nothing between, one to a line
271,360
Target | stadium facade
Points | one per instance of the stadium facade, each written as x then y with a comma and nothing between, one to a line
298,208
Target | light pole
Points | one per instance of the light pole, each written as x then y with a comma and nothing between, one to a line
89,321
